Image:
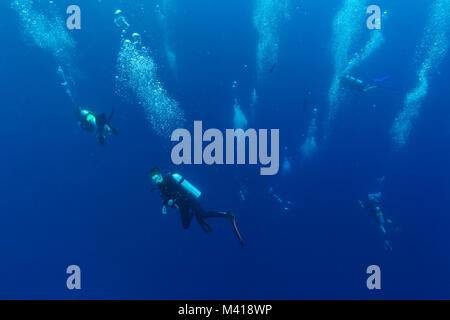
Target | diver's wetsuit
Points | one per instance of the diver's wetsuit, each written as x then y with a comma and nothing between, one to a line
189,207
375,208
86,120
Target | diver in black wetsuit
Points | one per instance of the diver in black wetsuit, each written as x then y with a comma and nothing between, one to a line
100,124
177,193
374,206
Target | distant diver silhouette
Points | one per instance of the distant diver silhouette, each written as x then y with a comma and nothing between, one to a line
99,124
356,84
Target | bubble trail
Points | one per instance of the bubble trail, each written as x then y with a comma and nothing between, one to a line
120,21
347,31
240,121
66,83
137,72
431,52
266,20
47,32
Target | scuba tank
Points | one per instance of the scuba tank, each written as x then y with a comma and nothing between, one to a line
187,186
89,118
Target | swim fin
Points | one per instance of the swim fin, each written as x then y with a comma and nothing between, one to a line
379,83
236,230
101,140
378,80
101,122
110,116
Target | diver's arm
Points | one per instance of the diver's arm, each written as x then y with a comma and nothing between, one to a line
172,204
168,203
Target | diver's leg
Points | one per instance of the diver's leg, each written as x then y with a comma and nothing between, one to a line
203,224
387,242
200,215
101,139
186,216
387,245
110,116
238,234
217,214
230,215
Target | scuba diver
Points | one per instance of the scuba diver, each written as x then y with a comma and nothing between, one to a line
359,85
285,204
100,124
176,192
374,206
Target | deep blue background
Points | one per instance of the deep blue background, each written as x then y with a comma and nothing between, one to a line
66,201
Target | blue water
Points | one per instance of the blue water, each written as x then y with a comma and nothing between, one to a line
65,200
